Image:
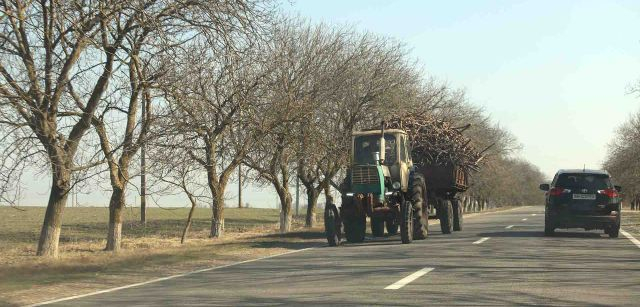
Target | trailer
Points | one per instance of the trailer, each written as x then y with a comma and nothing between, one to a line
444,183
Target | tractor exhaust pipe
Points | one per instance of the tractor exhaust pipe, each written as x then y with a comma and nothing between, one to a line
382,144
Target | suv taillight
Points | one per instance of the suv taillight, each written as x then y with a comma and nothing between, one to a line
558,191
611,193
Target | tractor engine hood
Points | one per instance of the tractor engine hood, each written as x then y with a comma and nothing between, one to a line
369,178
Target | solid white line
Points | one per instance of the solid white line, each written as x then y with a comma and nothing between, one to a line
164,278
403,282
509,227
524,219
631,238
481,240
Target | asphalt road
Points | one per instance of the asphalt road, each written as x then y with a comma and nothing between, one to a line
500,258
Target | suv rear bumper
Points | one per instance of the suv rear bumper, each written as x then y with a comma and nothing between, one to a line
583,221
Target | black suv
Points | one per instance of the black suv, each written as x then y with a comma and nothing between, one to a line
582,199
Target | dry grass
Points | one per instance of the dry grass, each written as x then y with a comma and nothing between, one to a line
631,222
149,252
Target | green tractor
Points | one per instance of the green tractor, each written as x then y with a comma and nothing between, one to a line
381,184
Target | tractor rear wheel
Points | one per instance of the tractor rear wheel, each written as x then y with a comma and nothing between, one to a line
355,228
445,213
457,215
377,226
406,222
417,192
332,225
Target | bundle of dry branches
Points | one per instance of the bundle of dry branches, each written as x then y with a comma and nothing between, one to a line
434,141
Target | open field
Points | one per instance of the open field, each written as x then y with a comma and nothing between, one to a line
85,227
148,252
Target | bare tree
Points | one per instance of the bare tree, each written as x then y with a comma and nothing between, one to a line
213,100
299,57
163,30
622,158
57,60
173,171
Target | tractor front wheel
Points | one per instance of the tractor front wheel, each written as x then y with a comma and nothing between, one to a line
332,225
406,222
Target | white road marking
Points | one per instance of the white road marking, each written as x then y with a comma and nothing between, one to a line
631,238
533,214
524,219
481,240
163,278
509,227
403,282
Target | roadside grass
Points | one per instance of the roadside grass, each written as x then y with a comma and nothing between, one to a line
149,251
631,222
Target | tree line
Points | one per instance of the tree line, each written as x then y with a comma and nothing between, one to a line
202,88
622,159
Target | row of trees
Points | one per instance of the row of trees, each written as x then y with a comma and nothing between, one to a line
205,87
622,159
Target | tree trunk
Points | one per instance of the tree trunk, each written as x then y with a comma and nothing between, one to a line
312,201
217,216
50,233
285,209
188,225
114,234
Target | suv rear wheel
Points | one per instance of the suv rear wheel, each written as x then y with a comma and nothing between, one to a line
549,229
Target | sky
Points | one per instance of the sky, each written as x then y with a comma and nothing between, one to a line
554,73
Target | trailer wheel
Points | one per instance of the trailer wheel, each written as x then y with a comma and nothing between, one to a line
445,213
332,225
421,217
406,222
392,227
355,228
377,226
457,215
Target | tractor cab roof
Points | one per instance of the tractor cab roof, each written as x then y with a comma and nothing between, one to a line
377,132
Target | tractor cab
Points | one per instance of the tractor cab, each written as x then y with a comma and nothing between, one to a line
378,171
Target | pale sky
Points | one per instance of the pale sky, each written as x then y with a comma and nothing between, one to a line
554,73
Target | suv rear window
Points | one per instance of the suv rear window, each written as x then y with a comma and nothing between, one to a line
583,181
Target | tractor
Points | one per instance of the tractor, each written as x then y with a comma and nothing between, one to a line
382,184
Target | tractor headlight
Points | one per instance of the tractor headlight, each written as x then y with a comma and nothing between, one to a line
396,185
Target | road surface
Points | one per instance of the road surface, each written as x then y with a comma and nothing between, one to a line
500,258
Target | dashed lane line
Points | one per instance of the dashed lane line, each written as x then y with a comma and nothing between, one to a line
524,219
481,240
509,227
403,282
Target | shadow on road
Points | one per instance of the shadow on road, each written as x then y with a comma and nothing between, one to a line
525,234
306,235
